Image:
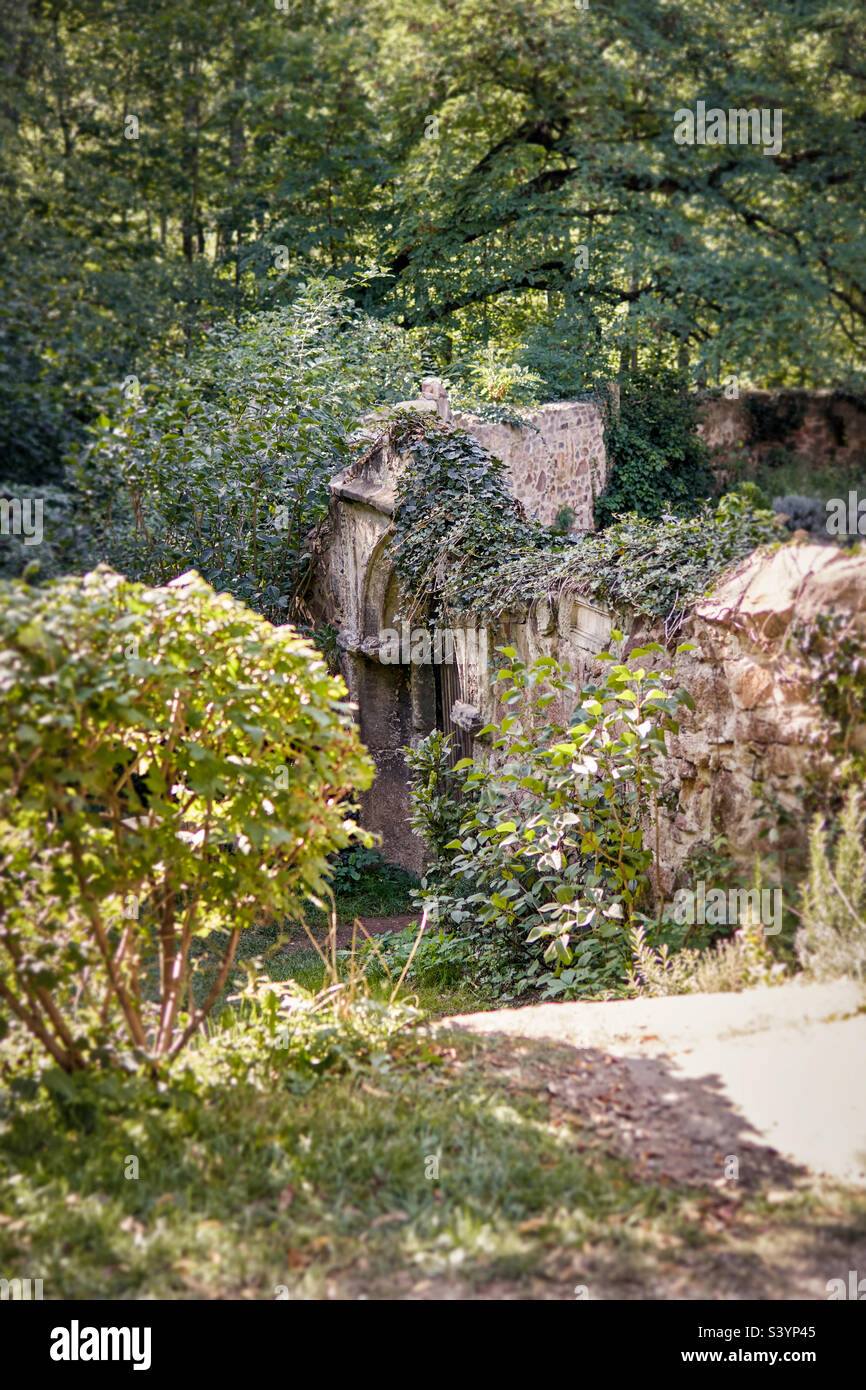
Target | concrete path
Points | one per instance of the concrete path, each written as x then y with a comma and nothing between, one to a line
788,1062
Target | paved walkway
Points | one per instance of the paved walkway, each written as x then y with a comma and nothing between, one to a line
783,1068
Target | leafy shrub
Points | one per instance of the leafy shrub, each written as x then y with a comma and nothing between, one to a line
223,464
491,383
743,962
353,863
435,791
658,461
63,543
556,849
365,883
804,514
831,940
172,768
439,959
302,1034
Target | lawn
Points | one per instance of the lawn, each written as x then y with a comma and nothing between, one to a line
430,1166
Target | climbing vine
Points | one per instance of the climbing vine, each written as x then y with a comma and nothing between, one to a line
659,463
463,545
456,522
835,655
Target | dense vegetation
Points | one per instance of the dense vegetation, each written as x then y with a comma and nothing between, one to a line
175,770
227,233
169,167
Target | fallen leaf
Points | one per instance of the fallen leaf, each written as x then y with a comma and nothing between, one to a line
389,1216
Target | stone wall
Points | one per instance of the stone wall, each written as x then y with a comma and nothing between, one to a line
556,460
826,427
756,721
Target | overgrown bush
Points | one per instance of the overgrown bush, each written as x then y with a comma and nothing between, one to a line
804,514
223,464
438,960
558,849
831,940
278,1030
658,462
366,884
172,769
462,545
743,962
43,537
436,792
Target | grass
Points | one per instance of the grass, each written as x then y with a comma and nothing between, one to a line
434,1000
366,885
380,890
373,1157
433,1166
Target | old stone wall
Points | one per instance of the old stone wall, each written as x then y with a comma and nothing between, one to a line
756,723
557,459
828,428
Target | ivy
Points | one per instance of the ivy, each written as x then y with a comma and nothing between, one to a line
463,546
658,569
659,463
835,657
456,521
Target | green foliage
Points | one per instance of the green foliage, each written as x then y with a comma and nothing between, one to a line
831,940
270,151
440,960
437,792
364,884
64,544
353,864
835,656
456,521
743,962
172,769
654,568
224,464
462,545
657,462
786,473
492,377
292,1035
559,847
563,521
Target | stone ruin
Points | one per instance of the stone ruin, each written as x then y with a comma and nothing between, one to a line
757,720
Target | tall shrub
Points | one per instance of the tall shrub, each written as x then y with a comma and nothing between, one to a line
222,463
172,768
659,462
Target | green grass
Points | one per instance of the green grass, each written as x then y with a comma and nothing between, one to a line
366,885
370,1157
305,966
327,1188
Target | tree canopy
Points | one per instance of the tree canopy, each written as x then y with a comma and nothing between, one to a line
497,173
